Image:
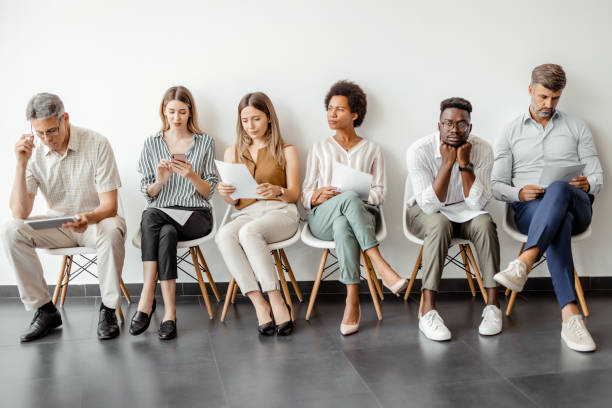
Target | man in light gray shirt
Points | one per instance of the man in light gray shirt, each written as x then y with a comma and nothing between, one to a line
75,170
549,216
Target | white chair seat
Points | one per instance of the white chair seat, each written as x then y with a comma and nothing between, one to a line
69,251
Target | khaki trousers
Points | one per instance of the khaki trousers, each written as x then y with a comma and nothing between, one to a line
437,232
20,243
243,242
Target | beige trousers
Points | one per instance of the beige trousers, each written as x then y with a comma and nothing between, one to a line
243,242
20,243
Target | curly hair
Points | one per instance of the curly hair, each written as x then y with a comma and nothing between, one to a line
456,102
355,95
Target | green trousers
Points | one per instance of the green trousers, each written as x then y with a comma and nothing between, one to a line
351,224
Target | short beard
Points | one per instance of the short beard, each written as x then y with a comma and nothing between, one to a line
542,114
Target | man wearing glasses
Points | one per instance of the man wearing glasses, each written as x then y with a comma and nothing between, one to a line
75,170
549,216
451,169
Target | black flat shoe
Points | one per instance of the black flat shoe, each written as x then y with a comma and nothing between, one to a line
267,329
140,321
167,330
42,323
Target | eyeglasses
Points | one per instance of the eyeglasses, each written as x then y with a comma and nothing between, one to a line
49,132
461,125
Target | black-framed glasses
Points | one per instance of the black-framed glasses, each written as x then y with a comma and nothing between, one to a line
49,132
462,125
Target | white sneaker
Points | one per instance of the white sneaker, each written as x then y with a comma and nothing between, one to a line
514,276
576,336
491,321
433,326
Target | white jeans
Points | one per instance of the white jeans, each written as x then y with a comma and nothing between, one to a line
20,243
243,242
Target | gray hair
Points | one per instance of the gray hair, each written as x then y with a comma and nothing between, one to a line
44,105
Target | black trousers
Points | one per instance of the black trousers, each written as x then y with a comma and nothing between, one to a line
160,234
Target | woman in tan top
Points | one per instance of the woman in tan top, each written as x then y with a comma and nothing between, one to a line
243,242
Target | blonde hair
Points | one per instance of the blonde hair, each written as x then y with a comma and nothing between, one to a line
182,94
275,142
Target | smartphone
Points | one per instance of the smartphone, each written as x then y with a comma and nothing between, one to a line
178,156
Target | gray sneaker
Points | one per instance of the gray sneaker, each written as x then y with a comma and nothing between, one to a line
514,276
576,336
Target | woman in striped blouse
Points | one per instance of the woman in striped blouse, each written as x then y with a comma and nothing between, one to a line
343,217
177,167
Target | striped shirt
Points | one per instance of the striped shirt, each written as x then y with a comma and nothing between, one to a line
178,191
424,161
71,183
525,147
365,156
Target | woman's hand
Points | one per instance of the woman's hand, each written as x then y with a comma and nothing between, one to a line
323,194
225,190
182,168
268,191
164,171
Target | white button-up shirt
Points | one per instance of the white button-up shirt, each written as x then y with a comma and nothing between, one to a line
525,147
424,161
71,182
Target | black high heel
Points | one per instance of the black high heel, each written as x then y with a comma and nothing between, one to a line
286,328
267,329
140,321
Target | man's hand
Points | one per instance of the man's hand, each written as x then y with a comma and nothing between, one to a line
182,168
80,225
463,154
323,194
268,191
530,192
164,171
449,154
23,149
581,182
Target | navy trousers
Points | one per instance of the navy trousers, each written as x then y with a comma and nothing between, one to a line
549,223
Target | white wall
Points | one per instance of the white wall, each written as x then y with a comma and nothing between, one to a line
112,61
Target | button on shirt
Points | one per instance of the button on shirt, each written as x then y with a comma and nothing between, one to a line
424,160
178,191
525,147
71,182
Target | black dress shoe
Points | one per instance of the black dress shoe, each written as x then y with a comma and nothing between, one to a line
42,323
140,321
267,329
107,325
167,330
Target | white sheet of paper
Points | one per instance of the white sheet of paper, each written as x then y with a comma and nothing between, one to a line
180,216
238,176
460,212
550,174
348,179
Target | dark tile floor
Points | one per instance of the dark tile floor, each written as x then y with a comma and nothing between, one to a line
387,364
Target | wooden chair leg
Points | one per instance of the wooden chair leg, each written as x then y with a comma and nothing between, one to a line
372,288
507,292
580,293
281,276
317,283
125,291
60,279
476,271
417,265
235,293
228,298
511,303
466,265
196,265
372,271
120,312
66,280
296,288
211,281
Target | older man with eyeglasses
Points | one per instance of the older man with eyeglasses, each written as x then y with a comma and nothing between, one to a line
76,172
450,175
